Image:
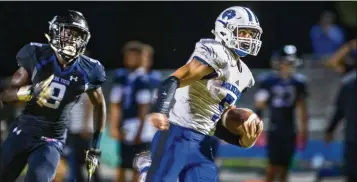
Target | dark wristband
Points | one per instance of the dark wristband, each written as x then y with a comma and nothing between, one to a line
166,95
96,139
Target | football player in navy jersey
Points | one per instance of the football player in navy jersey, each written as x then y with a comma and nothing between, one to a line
155,77
50,78
130,103
282,91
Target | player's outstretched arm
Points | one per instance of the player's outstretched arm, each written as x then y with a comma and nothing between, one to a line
97,98
185,75
192,72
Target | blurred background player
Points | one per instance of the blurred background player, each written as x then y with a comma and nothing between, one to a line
155,78
282,91
130,100
345,107
58,73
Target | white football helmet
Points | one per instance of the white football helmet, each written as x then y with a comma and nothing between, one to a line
227,28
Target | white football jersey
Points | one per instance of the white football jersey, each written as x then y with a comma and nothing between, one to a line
200,105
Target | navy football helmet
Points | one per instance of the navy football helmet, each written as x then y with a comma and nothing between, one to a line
288,54
69,34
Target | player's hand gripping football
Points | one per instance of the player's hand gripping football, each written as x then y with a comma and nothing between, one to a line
160,121
92,161
40,91
250,129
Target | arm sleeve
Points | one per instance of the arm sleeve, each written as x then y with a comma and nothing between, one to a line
98,77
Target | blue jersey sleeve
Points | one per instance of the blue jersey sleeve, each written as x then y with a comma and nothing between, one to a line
143,93
301,87
97,77
26,57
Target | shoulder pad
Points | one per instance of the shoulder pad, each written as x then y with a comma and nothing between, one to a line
213,51
95,71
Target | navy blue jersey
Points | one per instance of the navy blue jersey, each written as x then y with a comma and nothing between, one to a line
155,78
131,89
40,62
282,97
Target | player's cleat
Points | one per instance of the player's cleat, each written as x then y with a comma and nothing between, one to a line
141,163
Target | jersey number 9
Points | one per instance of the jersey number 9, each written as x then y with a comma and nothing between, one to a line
58,91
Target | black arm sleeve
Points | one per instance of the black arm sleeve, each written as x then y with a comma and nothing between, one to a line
224,134
166,95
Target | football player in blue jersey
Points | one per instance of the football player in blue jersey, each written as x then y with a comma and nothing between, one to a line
282,91
191,102
155,77
130,100
50,79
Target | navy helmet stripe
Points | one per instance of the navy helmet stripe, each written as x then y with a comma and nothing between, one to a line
249,15
255,17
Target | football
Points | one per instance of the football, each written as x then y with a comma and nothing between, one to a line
233,119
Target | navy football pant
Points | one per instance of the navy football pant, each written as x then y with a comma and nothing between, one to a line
41,154
281,149
181,153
